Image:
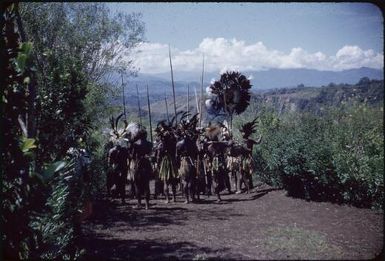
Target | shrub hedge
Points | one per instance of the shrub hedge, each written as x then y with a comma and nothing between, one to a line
335,156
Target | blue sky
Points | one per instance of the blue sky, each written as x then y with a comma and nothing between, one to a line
323,36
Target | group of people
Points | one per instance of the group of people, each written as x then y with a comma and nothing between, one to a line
194,159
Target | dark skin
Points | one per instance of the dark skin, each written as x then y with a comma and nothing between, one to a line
250,143
204,177
167,146
159,184
143,170
117,159
187,151
249,148
216,149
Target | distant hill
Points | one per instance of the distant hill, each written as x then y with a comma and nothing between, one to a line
301,98
278,78
274,78
160,84
314,99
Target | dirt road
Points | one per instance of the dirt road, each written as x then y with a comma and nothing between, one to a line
265,224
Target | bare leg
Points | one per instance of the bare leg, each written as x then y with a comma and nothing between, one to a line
245,181
209,183
216,183
122,185
250,178
218,197
239,179
173,187
166,183
138,192
185,191
227,181
147,194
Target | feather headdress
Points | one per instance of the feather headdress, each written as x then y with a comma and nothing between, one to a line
114,126
248,128
213,132
230,94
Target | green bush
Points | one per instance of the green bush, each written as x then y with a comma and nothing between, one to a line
41,200
337,156
98,165
58,225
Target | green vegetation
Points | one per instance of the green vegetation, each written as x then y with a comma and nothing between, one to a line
334,154
54,98
76,46
329,147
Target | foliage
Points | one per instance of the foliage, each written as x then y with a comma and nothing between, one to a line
335,157
72,47
315,99
19,184
76,46
58,224
98,166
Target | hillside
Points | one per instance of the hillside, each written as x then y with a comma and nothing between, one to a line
300,98
160,84
313,99
278,78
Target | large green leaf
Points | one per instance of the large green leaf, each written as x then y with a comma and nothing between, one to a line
22,57
52,168
27,144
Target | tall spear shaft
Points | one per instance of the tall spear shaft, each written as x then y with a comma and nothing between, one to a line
149,113
172,81
165,101
196,101
140,117
203,70
188,98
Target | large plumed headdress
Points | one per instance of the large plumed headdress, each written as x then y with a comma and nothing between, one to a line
231,93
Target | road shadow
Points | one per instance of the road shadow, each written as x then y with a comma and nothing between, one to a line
254,196
119,249
112,215
266,190
107,215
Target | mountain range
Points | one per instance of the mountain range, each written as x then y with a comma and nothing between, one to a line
160,84
301,98
267,79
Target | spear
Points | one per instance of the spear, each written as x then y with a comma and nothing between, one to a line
203,70
140,117
172,81
188,98
149,113
196,100
165,100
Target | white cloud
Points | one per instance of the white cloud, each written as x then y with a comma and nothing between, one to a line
231,54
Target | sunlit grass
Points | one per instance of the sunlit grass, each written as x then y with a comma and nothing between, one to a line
299,243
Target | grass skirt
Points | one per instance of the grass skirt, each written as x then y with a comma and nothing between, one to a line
167,169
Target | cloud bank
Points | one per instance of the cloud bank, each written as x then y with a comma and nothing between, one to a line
232,54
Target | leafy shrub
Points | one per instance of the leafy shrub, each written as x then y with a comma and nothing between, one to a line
336,157
41,202
58,224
